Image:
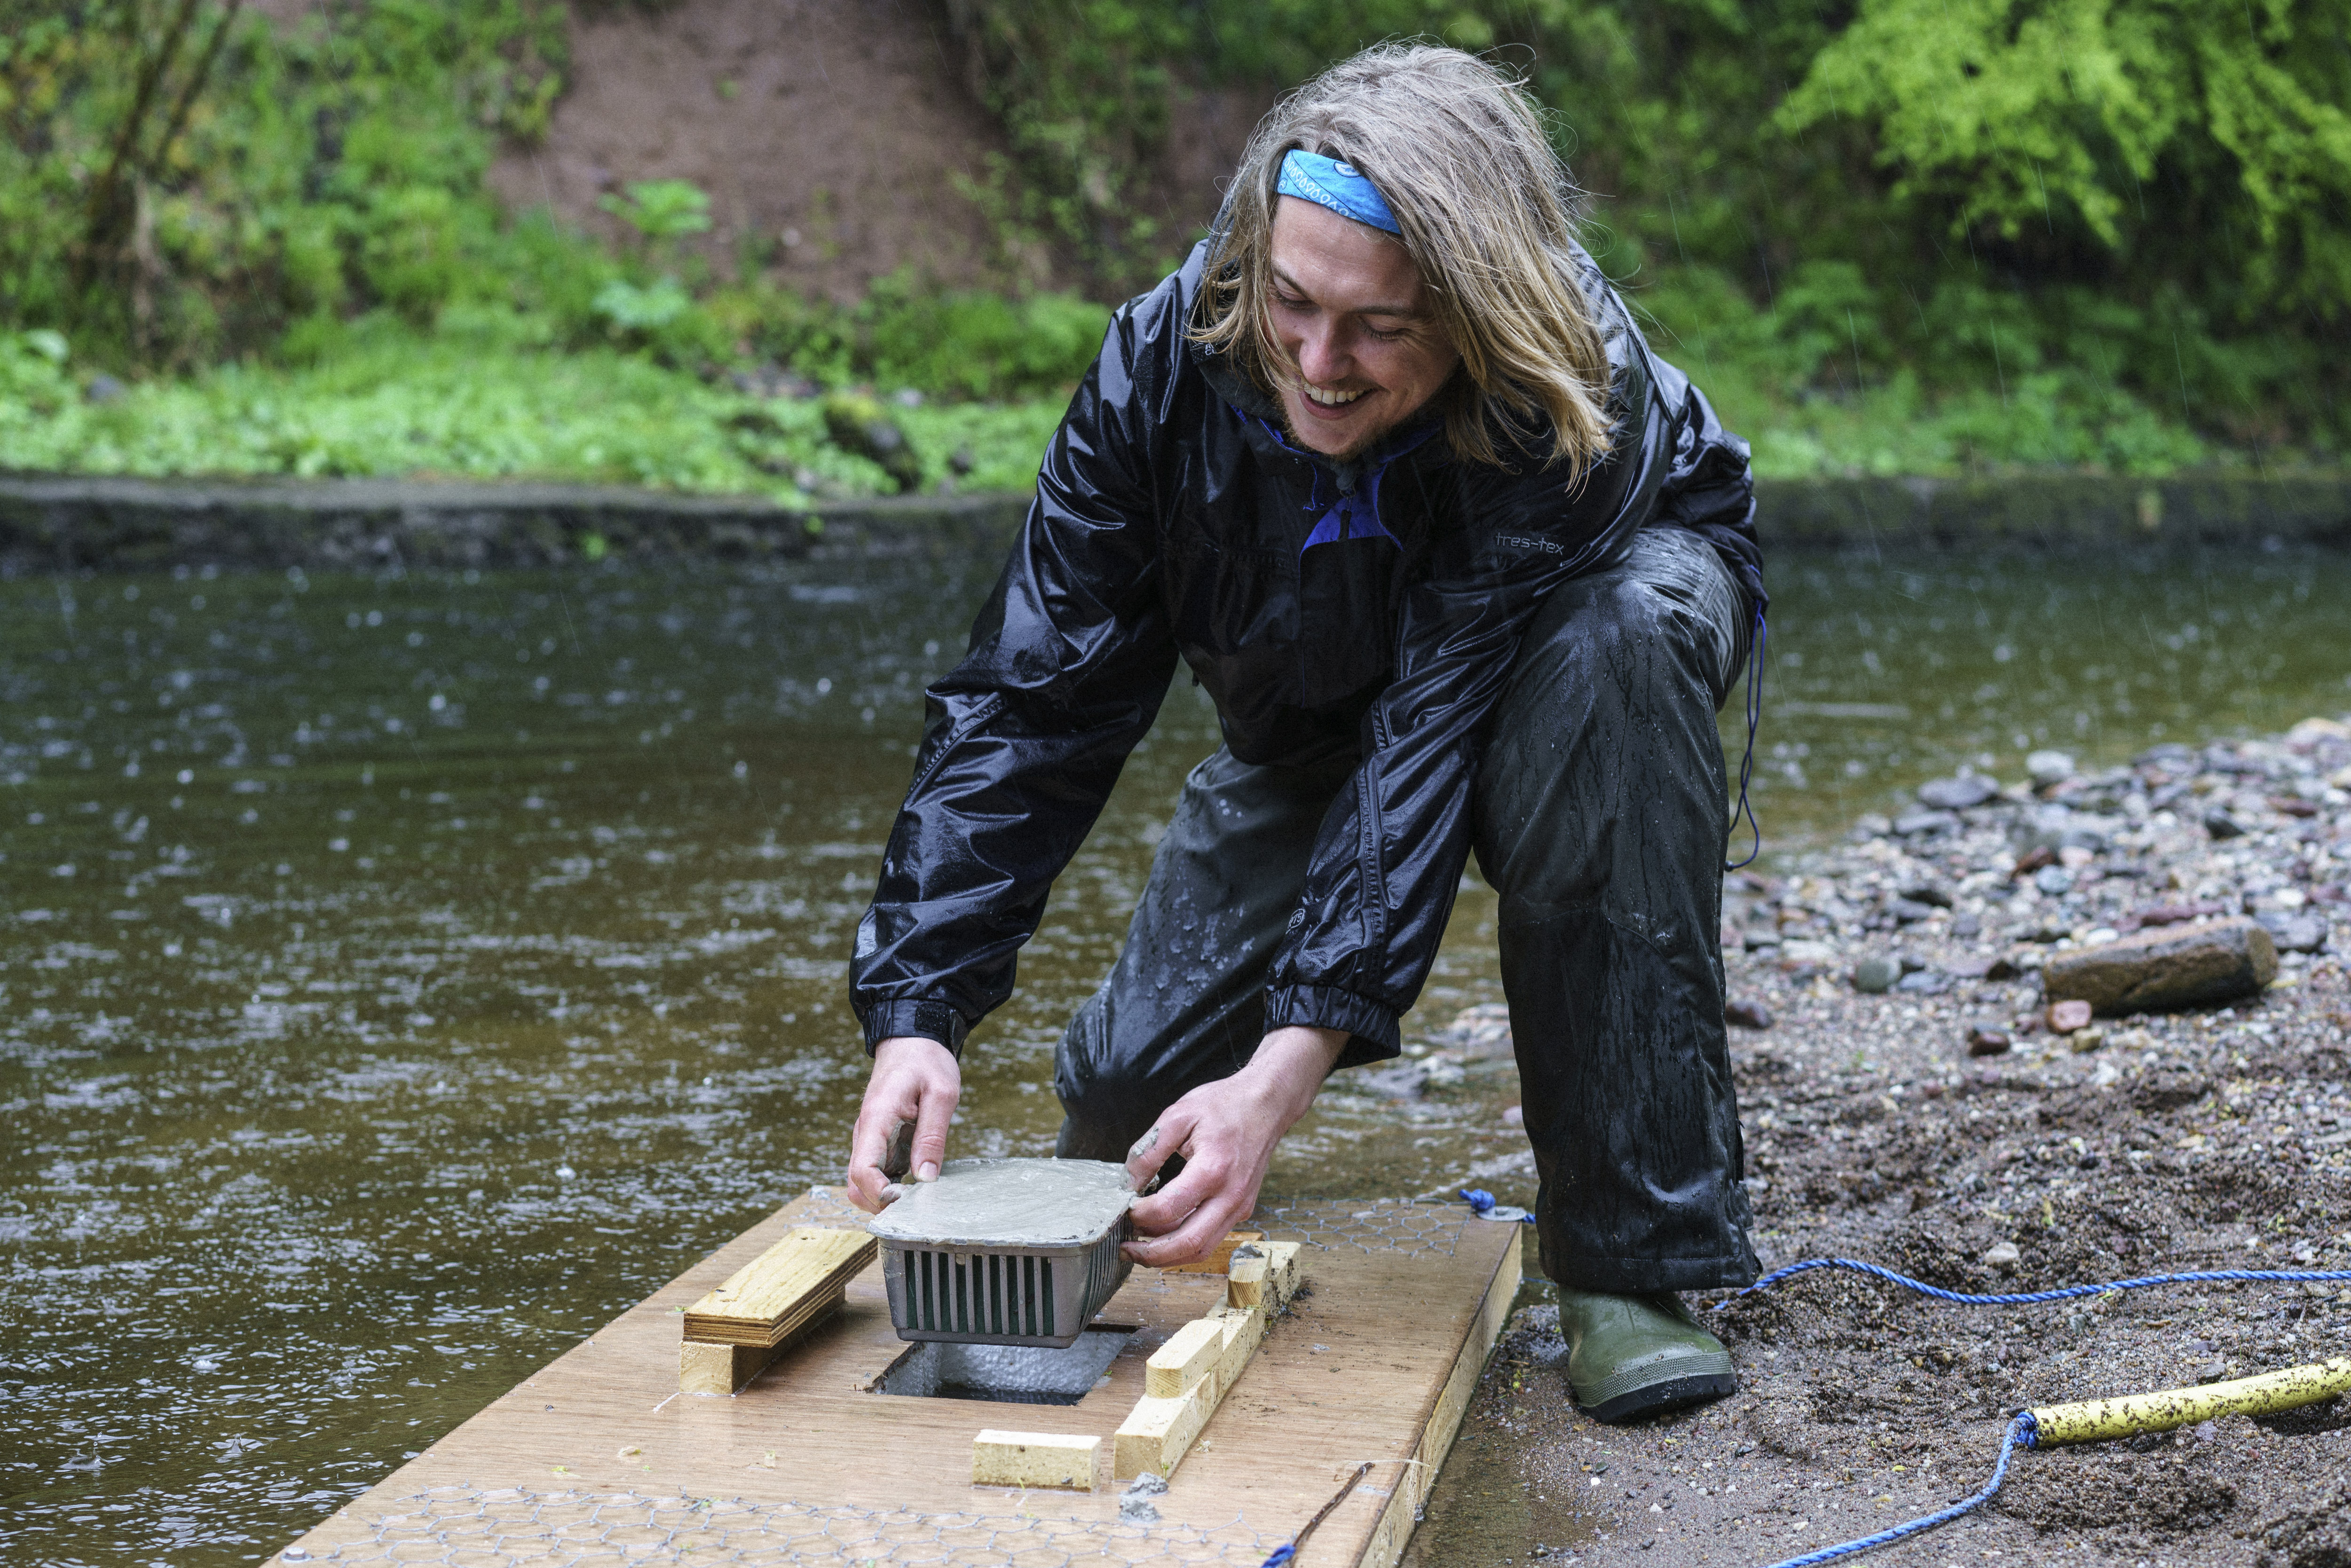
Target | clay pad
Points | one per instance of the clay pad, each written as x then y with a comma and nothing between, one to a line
1010,1203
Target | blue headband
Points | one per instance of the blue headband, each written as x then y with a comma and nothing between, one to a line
1328,182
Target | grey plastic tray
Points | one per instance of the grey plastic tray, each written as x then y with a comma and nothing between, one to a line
1006,1252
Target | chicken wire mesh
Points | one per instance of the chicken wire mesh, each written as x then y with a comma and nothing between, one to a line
467,1527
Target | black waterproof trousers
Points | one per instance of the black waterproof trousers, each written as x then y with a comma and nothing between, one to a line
1601,821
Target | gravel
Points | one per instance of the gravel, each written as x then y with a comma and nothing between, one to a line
2207,1138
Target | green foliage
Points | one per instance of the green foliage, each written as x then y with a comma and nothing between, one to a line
2012,115
977,345
485,395
1887,235
2060,224
334,166
662,209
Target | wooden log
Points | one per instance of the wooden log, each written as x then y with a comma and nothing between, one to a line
1033,1459
783,1289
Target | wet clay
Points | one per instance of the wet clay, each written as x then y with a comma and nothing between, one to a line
1010,1203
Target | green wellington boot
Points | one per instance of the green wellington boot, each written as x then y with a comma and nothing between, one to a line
1638,1356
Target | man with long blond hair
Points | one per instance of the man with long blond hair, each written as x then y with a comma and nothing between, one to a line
1464,565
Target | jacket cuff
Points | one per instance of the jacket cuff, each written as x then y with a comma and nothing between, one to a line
1373,1034
925,1020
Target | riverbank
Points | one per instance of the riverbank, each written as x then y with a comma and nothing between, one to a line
2214,1137
78,523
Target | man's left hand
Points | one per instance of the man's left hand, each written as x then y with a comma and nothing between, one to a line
1226,1131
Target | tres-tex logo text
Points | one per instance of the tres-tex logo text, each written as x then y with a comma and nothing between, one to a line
1526,541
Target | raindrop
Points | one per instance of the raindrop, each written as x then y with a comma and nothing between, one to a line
824,686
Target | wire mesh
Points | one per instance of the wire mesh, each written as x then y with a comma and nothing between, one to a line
468,1527
1391,1225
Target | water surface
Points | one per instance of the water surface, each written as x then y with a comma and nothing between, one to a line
401,976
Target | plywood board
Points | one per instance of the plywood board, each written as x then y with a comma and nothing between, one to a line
1374,1361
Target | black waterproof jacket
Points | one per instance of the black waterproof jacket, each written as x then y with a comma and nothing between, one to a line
1370,609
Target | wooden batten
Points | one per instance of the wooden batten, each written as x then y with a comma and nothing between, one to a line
1188,1354
1034,1459
1187,1377
779,1293
1220,1257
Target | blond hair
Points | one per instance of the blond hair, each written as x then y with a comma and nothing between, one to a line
1457,150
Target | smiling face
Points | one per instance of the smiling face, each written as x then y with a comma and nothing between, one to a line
1361,350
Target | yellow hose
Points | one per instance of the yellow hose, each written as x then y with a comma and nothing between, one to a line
2095,1420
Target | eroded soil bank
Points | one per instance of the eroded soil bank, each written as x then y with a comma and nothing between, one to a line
2214,1139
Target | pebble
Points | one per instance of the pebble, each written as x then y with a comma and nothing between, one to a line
1958,794
2295,932
2048,767
2221,825
1746,1013
2065,1017
1876,976
2004,1255
1986,1039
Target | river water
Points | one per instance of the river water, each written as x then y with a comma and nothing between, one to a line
399,976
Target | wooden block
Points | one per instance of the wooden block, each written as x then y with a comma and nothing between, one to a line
1220,1257
1159,1431
1283,1271
719,1368
1033,1459
1245,1282
783,1289
1189,1354
706,1368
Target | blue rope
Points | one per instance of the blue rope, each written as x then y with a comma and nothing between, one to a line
1482,1203
2018,1430
2023,1428
2034,1297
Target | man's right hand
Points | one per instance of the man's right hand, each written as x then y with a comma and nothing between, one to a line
915,1080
